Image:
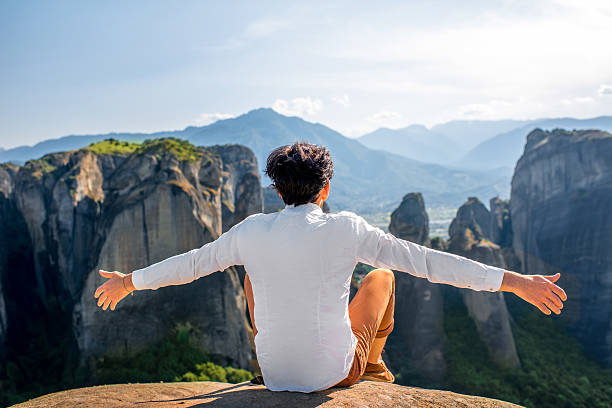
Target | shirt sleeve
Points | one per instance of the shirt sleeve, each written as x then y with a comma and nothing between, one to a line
382,250
189,266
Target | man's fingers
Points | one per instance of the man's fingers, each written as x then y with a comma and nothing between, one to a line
113,305
549,304
555,299
102,299
543,308
553,278
559,291
106,303
99,291
106,274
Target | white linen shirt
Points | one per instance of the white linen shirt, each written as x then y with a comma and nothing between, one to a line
300,261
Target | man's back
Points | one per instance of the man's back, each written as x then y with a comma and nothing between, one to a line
300,262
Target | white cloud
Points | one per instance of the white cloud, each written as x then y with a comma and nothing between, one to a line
492,109
265,27
358,130
298,106
384,117
208,118
498,52
605,90
342,100
578,100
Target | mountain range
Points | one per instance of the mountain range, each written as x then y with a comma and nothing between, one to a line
365,180
472,144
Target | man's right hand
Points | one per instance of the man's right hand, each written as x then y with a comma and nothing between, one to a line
539,290
118,286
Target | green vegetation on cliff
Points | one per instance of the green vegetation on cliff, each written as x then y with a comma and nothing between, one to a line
182,149
41,166
176,358
113,146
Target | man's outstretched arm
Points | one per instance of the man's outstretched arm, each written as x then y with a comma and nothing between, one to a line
176,270
376,248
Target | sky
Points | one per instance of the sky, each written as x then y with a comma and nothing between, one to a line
86,67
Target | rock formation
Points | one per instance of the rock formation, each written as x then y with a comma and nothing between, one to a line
120,206
488,310
560,206
21,306
472,223
7,210
410,221
241,194
501,226
202,394
418,336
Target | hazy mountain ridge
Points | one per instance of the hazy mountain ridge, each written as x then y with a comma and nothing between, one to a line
415,141
505,149
444,143
472,144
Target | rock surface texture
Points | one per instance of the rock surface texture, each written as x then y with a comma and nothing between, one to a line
203,394
561,204
121,207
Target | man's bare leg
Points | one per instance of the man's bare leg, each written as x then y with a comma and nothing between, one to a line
376,295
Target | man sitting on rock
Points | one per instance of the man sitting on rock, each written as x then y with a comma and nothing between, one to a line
299,263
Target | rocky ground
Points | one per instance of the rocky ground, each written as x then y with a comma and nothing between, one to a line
199,394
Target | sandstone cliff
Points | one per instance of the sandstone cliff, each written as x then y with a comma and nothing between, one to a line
560,205
120,206
500,225
241,194
202,394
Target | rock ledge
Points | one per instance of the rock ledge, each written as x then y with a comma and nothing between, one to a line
203,394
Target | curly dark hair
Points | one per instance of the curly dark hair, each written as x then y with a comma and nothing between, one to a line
300,171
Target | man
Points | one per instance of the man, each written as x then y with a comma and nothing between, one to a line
299,263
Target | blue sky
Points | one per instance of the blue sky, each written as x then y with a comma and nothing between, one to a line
74,67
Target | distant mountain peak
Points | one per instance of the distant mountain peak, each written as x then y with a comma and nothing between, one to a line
416,126
261,113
